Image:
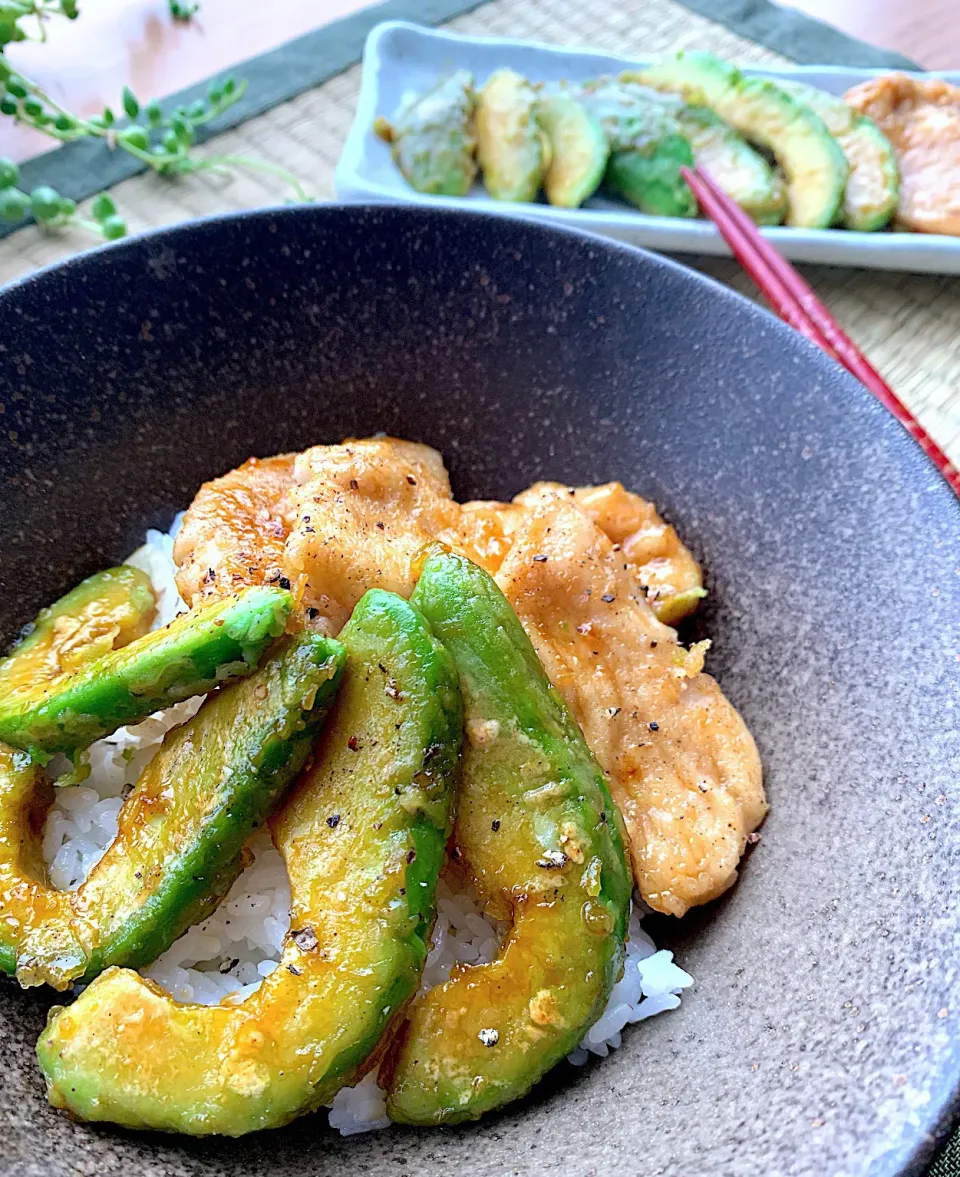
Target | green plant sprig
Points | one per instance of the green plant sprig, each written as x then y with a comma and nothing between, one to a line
161,141
53,211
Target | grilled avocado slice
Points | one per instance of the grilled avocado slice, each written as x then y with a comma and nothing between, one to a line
873,188
647,148
180,832
539,834
763,112
510,147
363,836
103,613
578,150
196,652
433,137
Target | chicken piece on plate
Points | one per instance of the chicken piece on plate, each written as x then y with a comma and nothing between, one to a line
363,512
657,556
683,767
235,531
921,118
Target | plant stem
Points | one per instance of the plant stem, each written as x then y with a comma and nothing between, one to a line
241,161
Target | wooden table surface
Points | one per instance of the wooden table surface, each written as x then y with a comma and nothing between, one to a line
115,42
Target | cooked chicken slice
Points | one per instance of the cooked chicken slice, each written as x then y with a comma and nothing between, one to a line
235,531
363,512
657,556
921,118
682,766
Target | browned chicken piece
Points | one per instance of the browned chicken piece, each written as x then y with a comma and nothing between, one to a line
921,118
363,512
577,565
235,532
657,556
683,768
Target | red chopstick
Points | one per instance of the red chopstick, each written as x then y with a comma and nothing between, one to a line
794,301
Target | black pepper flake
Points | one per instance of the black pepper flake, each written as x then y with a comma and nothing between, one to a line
411,480
380,525
292,968
411,855
603,817
333,820
653,645
284,582
541,559
227,965
456,854
353,744
354,485
495,824
653,725
312,613
607,598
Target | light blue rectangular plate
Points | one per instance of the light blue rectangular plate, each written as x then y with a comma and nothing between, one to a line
399,57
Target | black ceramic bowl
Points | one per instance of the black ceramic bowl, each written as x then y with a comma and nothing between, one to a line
818,1038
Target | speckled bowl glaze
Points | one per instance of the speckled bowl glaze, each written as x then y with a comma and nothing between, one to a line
818,1038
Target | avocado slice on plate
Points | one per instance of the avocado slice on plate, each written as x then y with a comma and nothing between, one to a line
647,148
510,144
433,137
763,112
180,831
539,834
363,835
196,652
578,150
873,188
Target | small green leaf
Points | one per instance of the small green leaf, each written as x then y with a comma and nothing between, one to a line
45,203
32,107
16,87
64,122
9,104
131,104
108,117
182,129
135,136
103,207
14,204
67,206
69,9
9,173
229,85
114,227
171,141
214,93
196,110
153,112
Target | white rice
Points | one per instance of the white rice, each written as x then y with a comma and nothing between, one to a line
226,957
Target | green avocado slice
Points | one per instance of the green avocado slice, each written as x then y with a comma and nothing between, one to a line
873,188
180,832
510,147
764,113
647,147
578,150
433,137
363,835
103,613
538,832
196,652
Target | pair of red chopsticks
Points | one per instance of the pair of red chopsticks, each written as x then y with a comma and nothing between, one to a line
795,302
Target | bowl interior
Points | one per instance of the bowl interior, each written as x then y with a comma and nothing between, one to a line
818,1037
